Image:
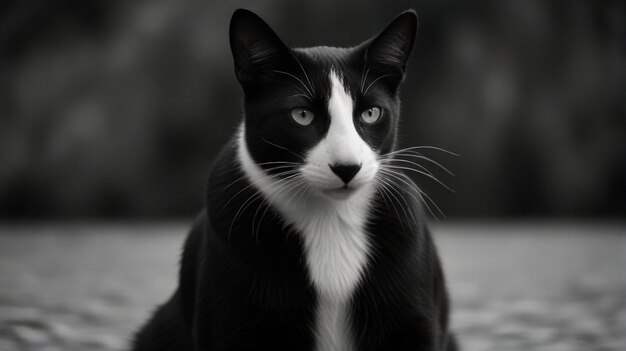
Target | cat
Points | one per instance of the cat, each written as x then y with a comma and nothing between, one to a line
309,240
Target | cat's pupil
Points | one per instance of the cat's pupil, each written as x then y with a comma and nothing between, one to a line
302,113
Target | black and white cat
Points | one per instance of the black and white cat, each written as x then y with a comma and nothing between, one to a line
309,241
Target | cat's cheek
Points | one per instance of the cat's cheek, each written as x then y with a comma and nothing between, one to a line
367,174
318,178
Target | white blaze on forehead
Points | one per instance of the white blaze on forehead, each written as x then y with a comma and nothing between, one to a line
343,140
342,144
340,102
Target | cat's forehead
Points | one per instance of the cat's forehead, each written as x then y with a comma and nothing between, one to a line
320,61
325,55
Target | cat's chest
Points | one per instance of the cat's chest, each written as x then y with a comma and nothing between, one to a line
336,247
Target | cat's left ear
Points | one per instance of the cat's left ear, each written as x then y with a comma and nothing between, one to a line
392,47
255,47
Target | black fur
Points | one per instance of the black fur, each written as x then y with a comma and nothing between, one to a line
244,284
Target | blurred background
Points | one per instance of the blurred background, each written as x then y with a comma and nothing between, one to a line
112,111
115,109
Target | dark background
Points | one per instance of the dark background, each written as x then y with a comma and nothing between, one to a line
115,109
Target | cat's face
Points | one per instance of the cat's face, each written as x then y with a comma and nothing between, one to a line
320,115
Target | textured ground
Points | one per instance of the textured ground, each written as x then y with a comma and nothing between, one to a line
520,286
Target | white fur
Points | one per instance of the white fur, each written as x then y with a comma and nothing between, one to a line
332,227
342,145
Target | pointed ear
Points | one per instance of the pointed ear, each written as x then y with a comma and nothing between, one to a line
392,47
255,46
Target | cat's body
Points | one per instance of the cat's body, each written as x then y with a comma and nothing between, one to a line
299,248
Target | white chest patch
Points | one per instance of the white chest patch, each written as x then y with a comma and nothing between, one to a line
333,232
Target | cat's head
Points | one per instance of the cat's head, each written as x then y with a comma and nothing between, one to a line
322,115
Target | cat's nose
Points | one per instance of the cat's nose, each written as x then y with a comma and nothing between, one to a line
345,172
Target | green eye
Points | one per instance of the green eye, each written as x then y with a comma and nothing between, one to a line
302,116
371,115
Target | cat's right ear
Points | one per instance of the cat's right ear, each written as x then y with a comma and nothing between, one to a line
256,48
392,47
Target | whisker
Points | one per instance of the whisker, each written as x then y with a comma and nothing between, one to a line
422,173
384,190
243,207
432,202
424,147
284,148
410,162
297,187
272,169
306,188
420,156
298,79
421,200
286,188
257,194
376,80
279,163
305,75
384,199
265,201
255,232
364,78
302,95
268,170
399,176
253,183
397,189
395,197
400,193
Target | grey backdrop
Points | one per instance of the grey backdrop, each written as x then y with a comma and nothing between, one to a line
116,108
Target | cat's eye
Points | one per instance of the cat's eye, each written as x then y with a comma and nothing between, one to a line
302,116
371,115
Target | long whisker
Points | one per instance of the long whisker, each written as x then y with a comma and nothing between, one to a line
364,78
400,192
277,163
258,226
283,148
250,200
377,186
394,186
432,202
297,188
406,215
376,80
422,173
253,183
295,183
295,164
399,176
423,147
305,75
302,95
420,191
256,232
415,154
389,162
306,189
298,79
290,180
413,196
384,191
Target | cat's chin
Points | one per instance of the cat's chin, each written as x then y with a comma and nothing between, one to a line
340,194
